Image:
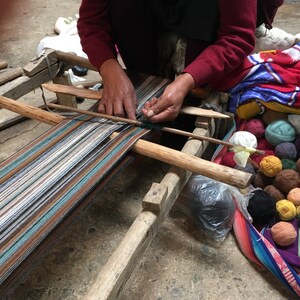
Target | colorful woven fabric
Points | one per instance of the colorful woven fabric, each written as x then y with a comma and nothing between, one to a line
46,180
271,78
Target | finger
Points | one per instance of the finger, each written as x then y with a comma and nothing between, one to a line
130,108
101,107
164,116
118,109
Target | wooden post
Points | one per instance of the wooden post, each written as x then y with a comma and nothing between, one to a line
64,99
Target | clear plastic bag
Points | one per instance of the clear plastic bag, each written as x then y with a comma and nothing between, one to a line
209,204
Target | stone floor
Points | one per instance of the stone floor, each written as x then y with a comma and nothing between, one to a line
180,263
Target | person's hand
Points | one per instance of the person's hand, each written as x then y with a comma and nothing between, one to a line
167,107
118,96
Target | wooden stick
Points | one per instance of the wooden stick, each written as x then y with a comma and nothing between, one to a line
141,124
10,74
193,164
96,95
3,64
30,111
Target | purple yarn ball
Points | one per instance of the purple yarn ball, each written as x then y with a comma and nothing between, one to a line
286,150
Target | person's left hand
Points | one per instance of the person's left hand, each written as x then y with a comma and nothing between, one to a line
167,106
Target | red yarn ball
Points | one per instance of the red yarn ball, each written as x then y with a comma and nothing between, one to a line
263,144
227,160
256,127
256,158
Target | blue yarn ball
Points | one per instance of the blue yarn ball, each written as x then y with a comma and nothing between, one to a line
280,131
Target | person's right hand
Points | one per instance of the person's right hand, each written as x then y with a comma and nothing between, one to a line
118,96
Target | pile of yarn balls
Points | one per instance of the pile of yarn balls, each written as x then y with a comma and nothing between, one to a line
276,173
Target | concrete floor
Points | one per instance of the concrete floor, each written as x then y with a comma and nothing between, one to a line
180,263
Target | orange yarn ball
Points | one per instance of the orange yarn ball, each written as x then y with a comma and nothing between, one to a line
283,233
270,165
294,196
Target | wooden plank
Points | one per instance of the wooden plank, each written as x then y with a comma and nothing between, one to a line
72,90
121,264
10,74
41,63
24,84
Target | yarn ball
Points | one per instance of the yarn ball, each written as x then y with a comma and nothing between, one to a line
248,168
287,180
286,210
294,196
227,159
261,180
280,131
288,164
298,165
271,115
298,212
256,127
295,121
256,157
274,192
283,233
297,145
261,207
244,138
263,144
286,150
270,165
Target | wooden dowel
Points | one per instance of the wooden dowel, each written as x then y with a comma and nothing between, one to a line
193,164
141,124
30,111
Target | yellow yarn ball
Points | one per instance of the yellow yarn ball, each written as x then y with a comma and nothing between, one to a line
270,165
298,211
286,210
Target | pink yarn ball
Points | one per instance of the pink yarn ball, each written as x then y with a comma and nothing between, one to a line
256,127
227,160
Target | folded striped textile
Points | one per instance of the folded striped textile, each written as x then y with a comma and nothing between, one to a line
271,78
259,250
59,170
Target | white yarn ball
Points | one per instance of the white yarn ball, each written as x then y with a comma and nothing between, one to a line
244,138
295,121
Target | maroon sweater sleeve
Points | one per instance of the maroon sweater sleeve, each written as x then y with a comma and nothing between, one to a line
235,41
94,30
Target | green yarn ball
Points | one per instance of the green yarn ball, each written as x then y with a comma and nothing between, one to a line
288,164
280,131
